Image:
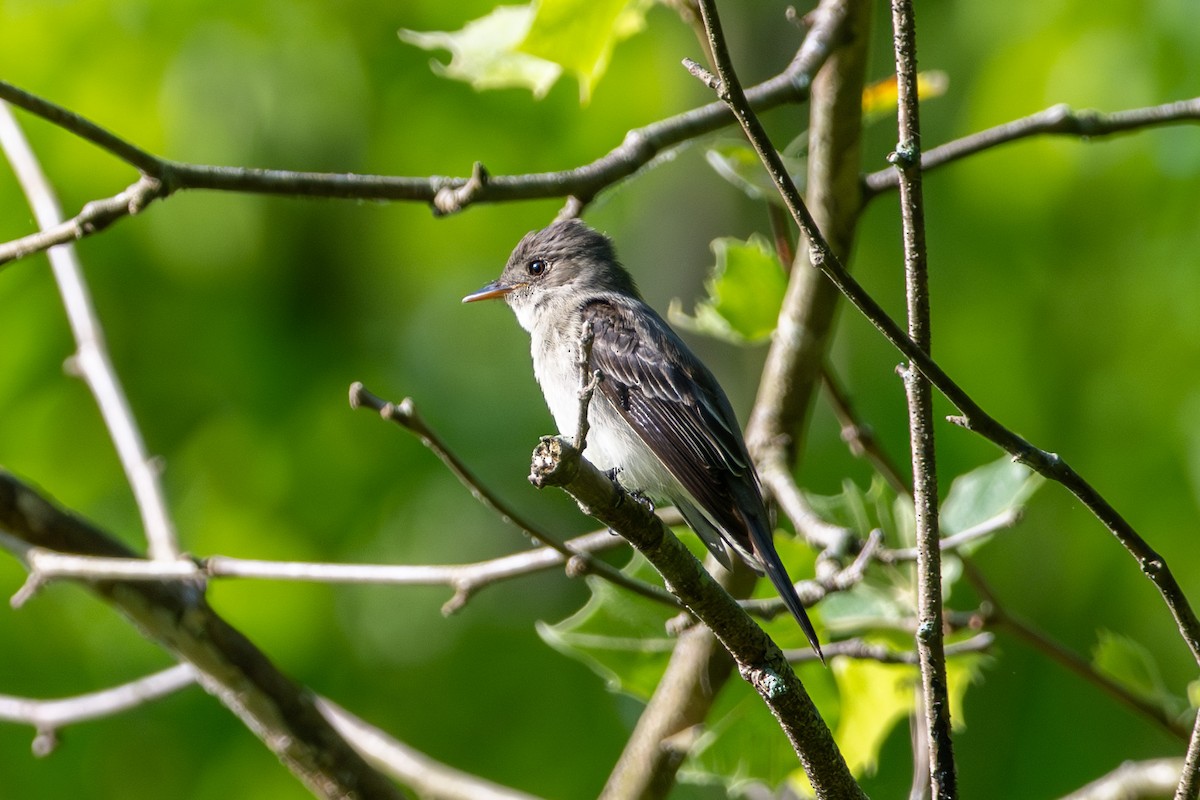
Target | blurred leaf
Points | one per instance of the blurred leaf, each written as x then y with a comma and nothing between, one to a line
985,493
579,35
737,163
1130,664
745,292
485,54
881,98
874,697
619,635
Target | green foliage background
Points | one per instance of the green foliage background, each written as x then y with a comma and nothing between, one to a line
1066,297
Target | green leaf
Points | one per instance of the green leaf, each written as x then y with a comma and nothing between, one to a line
874,697
745,292
579,35
737,163
485,52
986,493
619,635
1130,664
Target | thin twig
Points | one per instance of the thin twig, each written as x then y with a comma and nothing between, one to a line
91,359
50,716
869,651
1133,780
465,579
1059,119
930,639
578,562
430,779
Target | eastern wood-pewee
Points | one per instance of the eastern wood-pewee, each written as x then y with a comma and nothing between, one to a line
659,420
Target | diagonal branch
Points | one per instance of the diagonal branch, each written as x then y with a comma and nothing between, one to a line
91,359
281,712
759,659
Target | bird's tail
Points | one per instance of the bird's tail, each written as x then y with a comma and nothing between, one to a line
764,548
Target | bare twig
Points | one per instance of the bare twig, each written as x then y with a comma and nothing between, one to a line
578,562
1133,780
465,579
1005,519
868,651
1059,119
175,615
50,716
935,692
431,779
91,359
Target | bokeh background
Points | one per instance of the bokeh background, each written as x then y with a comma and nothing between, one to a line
1066,297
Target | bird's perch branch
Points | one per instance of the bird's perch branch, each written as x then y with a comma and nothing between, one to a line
759,659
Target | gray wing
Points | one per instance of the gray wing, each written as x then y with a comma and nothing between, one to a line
675,405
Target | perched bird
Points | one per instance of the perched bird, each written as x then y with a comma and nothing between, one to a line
659,420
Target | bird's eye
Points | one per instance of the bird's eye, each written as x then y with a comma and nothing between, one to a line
536,267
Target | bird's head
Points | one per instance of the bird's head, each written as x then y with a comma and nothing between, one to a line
564,260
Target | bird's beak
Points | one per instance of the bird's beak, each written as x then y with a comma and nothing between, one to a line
494,289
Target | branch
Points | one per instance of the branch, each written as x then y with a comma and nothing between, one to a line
760,662
935,694
1133,780
430,779
579,562
48,716
1059,119
868,651
444,195
91,361
973,417
279,711
465,579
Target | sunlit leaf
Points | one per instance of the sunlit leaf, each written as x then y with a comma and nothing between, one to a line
874,698
579,35
745,292
985,493
881,97
484,53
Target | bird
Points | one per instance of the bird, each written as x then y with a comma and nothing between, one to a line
660,423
